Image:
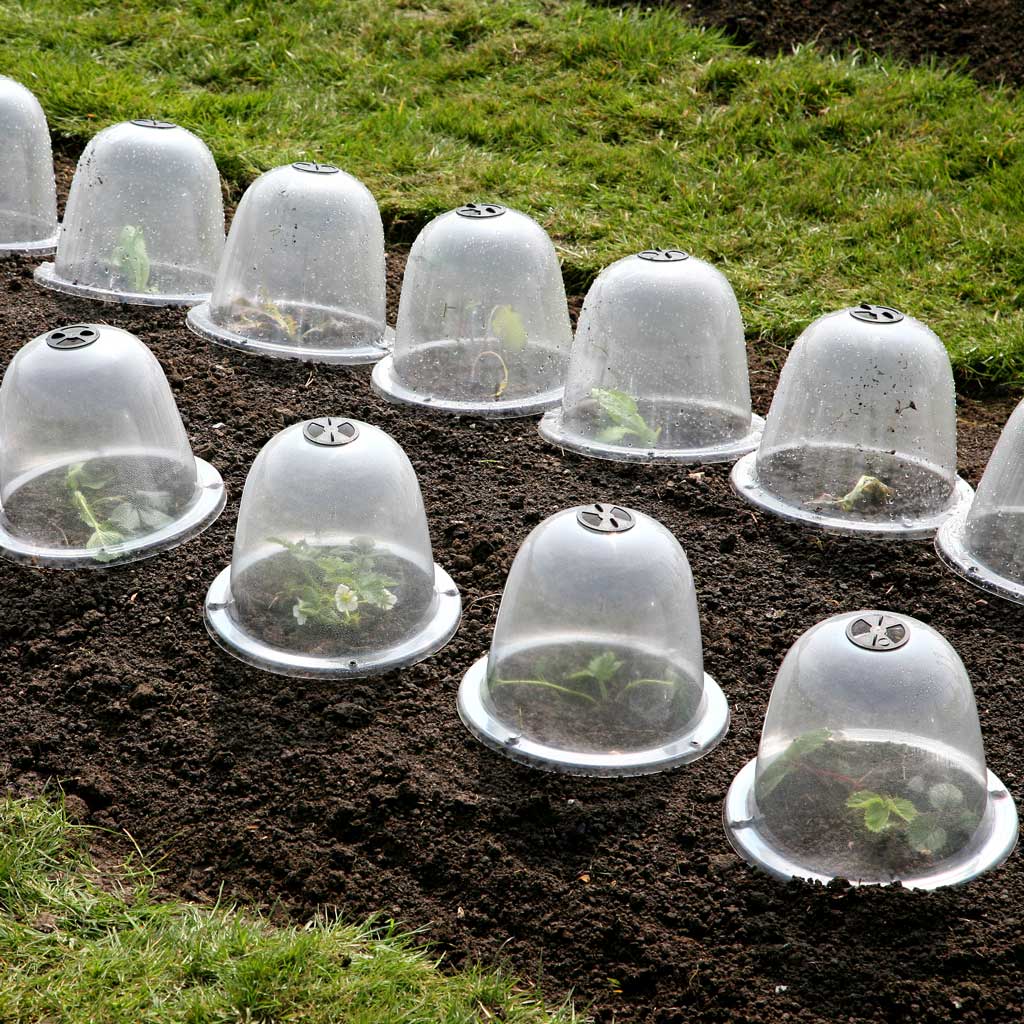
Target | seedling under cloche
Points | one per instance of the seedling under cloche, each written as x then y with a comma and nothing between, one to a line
658,370
984,542
483,326
302,276
871,765
861,434
95,465
144,222
596,665
28,193
332,573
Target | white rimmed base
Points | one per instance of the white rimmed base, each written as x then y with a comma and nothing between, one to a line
745,483
951,547
552,428
238,642
46,275
44,247
700,740
204,510
200,322
741,828
386,383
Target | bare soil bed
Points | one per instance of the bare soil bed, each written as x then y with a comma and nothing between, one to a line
984,35
369,796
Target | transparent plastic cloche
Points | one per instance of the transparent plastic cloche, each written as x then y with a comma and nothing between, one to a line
302,276
95,465
483,325
984,542
658,370
596,666
871,765
861,434
332,573
144,222
28,193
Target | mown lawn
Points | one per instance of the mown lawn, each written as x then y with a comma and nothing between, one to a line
85,943
814,182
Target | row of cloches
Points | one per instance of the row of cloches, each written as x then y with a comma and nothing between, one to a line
871,764
860,437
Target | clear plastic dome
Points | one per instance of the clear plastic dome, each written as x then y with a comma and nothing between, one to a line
302,276
332,573
144,221
871,765
596,666
984,542
95,465
483,324
658,370
28,193
861,434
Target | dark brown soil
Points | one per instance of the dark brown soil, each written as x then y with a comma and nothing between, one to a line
983,34
371,797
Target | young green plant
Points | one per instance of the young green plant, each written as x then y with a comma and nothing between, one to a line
335,584
113,518
131,259
925,831
626,421
267,311
507,326
598,683
867,494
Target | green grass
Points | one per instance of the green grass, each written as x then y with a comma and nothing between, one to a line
813,182
87,945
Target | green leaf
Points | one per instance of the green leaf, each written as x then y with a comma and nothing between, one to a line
131,259
879,810
160,500
862,798
126,517
100,541
620,406
804,744
334,567
877,815
944,796
622,410
154,518
926,835
80,477
967,820
770,776
867,492
604,666
808,742
133,516
508,328
902,808
612,435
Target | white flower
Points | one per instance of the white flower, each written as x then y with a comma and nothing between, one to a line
345,599
297,612
387,600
